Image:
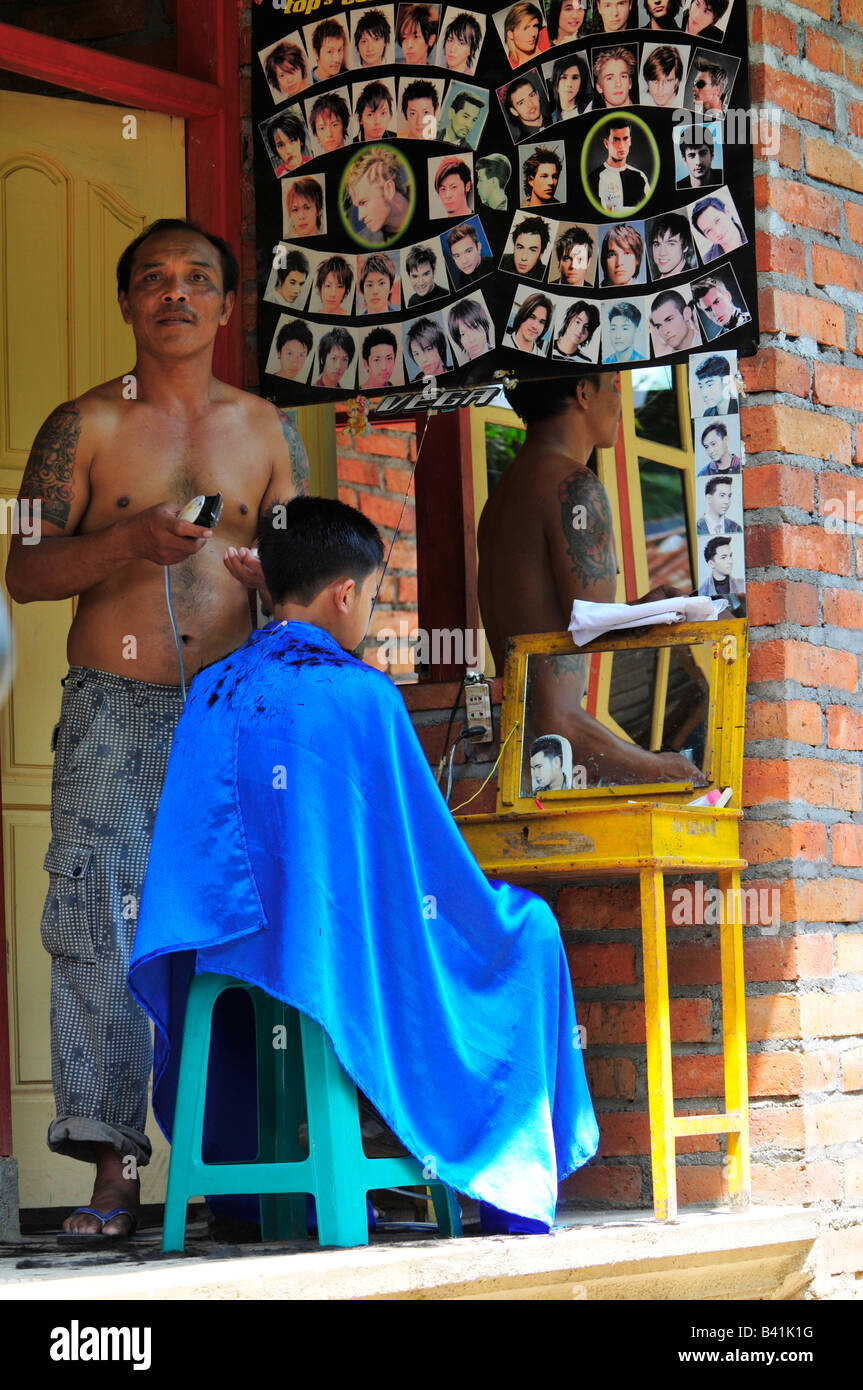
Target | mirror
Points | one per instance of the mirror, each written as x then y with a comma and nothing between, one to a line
589,720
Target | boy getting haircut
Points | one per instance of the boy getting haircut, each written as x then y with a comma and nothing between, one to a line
318,847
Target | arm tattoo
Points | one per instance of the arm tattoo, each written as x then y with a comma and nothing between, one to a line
297,452
585,516
51,463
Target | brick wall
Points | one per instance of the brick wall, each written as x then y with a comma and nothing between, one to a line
803,827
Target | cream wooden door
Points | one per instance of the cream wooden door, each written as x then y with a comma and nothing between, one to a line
77,182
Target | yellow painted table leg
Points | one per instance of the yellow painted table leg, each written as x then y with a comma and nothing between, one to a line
658,1026
734,1037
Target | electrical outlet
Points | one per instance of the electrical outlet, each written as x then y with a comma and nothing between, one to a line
477,700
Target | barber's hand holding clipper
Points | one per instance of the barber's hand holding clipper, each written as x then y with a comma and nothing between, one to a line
161,535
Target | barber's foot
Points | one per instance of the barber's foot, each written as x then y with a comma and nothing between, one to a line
110,1190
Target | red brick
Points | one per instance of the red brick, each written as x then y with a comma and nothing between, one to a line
612,1184
777,1127
855,118
789,145
799,547
771,369
765,959
408,590
851,1069
763,841
836,385
389,445
799,204
782,311
348,495
834,268
827,900
823,52
837,1121
844,728
833,164
801,779
773,1016
627,1133
782,254
854,68
697,1077
800,661
854,219
849,953
851,12
854,1179
790,1073
830,324
585,905
591,966
788,430
358,471
796,721
766,26
842,1251
611,1078
615,1023
843,608
819,7
699,1183
404,556
772,601
777,485
846,843
397,480
825,1015
797,1182
810,101
384,511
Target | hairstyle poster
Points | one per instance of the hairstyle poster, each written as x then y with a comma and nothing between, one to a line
448,196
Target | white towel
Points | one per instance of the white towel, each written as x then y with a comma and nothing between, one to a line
590,620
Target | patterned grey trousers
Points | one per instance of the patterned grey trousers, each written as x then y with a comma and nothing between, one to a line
111,752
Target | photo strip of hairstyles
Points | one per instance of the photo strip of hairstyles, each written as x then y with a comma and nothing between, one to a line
374,23
293,261
379,264
466,29
338,266
336,337
530,303
585,91
674,224
306,188
295,331
533,226
424,18
284,55
468,313
378,337
591,314
427,334
541,155
293,127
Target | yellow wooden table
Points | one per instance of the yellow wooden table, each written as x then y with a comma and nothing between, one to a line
629,831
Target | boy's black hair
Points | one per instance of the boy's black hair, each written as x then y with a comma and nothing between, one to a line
312,541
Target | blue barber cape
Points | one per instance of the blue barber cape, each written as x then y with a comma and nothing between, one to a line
303,845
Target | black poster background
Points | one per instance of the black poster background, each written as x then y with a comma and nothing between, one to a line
498,288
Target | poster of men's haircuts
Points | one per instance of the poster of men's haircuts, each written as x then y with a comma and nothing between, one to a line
719,459
507,190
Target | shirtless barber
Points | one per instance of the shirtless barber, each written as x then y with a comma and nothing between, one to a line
545,538
113,474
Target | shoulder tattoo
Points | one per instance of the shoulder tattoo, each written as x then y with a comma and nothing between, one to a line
49,470
585,515
297,453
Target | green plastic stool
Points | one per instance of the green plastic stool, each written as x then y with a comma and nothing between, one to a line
336,1172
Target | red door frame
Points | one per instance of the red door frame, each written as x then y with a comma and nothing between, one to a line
204,93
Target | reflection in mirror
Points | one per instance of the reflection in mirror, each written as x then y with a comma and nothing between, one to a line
654,400
651,720
663,502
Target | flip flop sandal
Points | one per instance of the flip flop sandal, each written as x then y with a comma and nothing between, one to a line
81,1238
